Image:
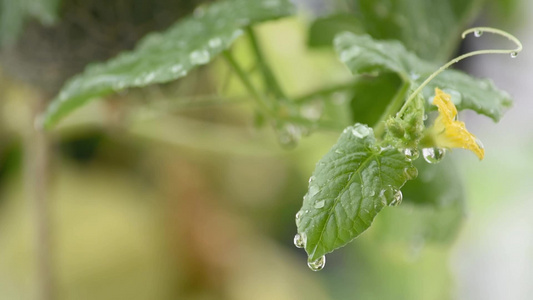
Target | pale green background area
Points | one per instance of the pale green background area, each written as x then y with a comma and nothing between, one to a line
493,258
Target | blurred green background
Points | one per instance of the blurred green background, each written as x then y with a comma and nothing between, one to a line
175,192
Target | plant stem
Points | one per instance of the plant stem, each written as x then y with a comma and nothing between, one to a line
37,167
268,75
467,55
323,92
260,100
392,108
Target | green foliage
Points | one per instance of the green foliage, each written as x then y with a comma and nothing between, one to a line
163,57
362,54
428,28
13,14
406,130
392,47
371,96
349,187
323,30
438,190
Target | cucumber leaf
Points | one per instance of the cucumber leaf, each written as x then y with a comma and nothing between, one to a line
351,184
167,56
363,54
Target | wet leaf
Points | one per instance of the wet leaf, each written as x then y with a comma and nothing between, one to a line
349,187
362,54
167,56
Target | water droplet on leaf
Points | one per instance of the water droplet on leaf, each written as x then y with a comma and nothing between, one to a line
149,77
320,204
360,131
176,68
300,240
215,43
411,173
318,264
313,190
199,57
433,155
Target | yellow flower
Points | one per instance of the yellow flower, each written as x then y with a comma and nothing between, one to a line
447,132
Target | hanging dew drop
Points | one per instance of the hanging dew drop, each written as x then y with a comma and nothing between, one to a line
411,154
411,173
478,33
514,54
298,215
397,198
318,264
312,111
289,135
299,240
433,155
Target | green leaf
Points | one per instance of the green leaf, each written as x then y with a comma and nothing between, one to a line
362,54
437,185
371,96
349,187
439,191
14,13
44,10
167,56
323,30
428,28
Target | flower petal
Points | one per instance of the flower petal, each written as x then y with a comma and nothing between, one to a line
450,132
